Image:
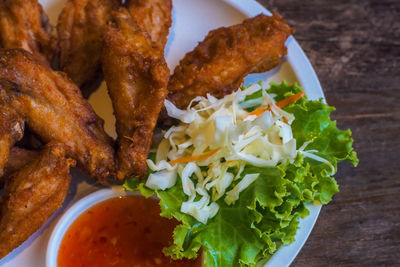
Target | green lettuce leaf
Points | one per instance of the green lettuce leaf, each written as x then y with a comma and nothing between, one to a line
266,216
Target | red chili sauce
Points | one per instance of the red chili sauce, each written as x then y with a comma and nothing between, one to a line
119,232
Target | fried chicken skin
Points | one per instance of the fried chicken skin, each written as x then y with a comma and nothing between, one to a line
11,131
23,24
220,62
80,31
154,16
19,157
32,195
54,109
137,76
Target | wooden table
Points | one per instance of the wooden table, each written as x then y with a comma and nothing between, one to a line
354,47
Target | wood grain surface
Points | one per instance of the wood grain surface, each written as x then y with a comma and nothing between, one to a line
354,47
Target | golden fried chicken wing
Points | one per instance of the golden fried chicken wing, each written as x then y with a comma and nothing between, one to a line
23,24
33,194
11,131
54,109
80,32
19,157
154,16
220,62
136,75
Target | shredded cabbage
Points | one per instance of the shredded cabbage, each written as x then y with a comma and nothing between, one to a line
161,180
241,138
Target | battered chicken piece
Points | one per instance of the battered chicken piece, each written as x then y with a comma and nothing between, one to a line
11,131
19,157
154,16
219,64
33,194
137,76
23,24
80,32
54,108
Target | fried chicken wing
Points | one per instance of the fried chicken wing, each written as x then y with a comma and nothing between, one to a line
33,194
54,109
220,62
19,157
136,75
80,32
11,131
23,24
154,16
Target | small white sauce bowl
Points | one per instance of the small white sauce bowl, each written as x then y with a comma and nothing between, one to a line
73,213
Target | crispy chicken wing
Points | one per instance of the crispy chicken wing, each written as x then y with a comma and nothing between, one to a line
23,24
19,157
137,75
220,62
80,32
33,194
54,109
154,16
11,131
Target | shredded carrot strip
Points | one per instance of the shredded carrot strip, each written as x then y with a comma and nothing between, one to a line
195,158
258,111
290,99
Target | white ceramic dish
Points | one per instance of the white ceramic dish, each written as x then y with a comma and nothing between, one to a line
73,213
192,19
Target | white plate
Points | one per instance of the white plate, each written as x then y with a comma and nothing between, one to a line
192,19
